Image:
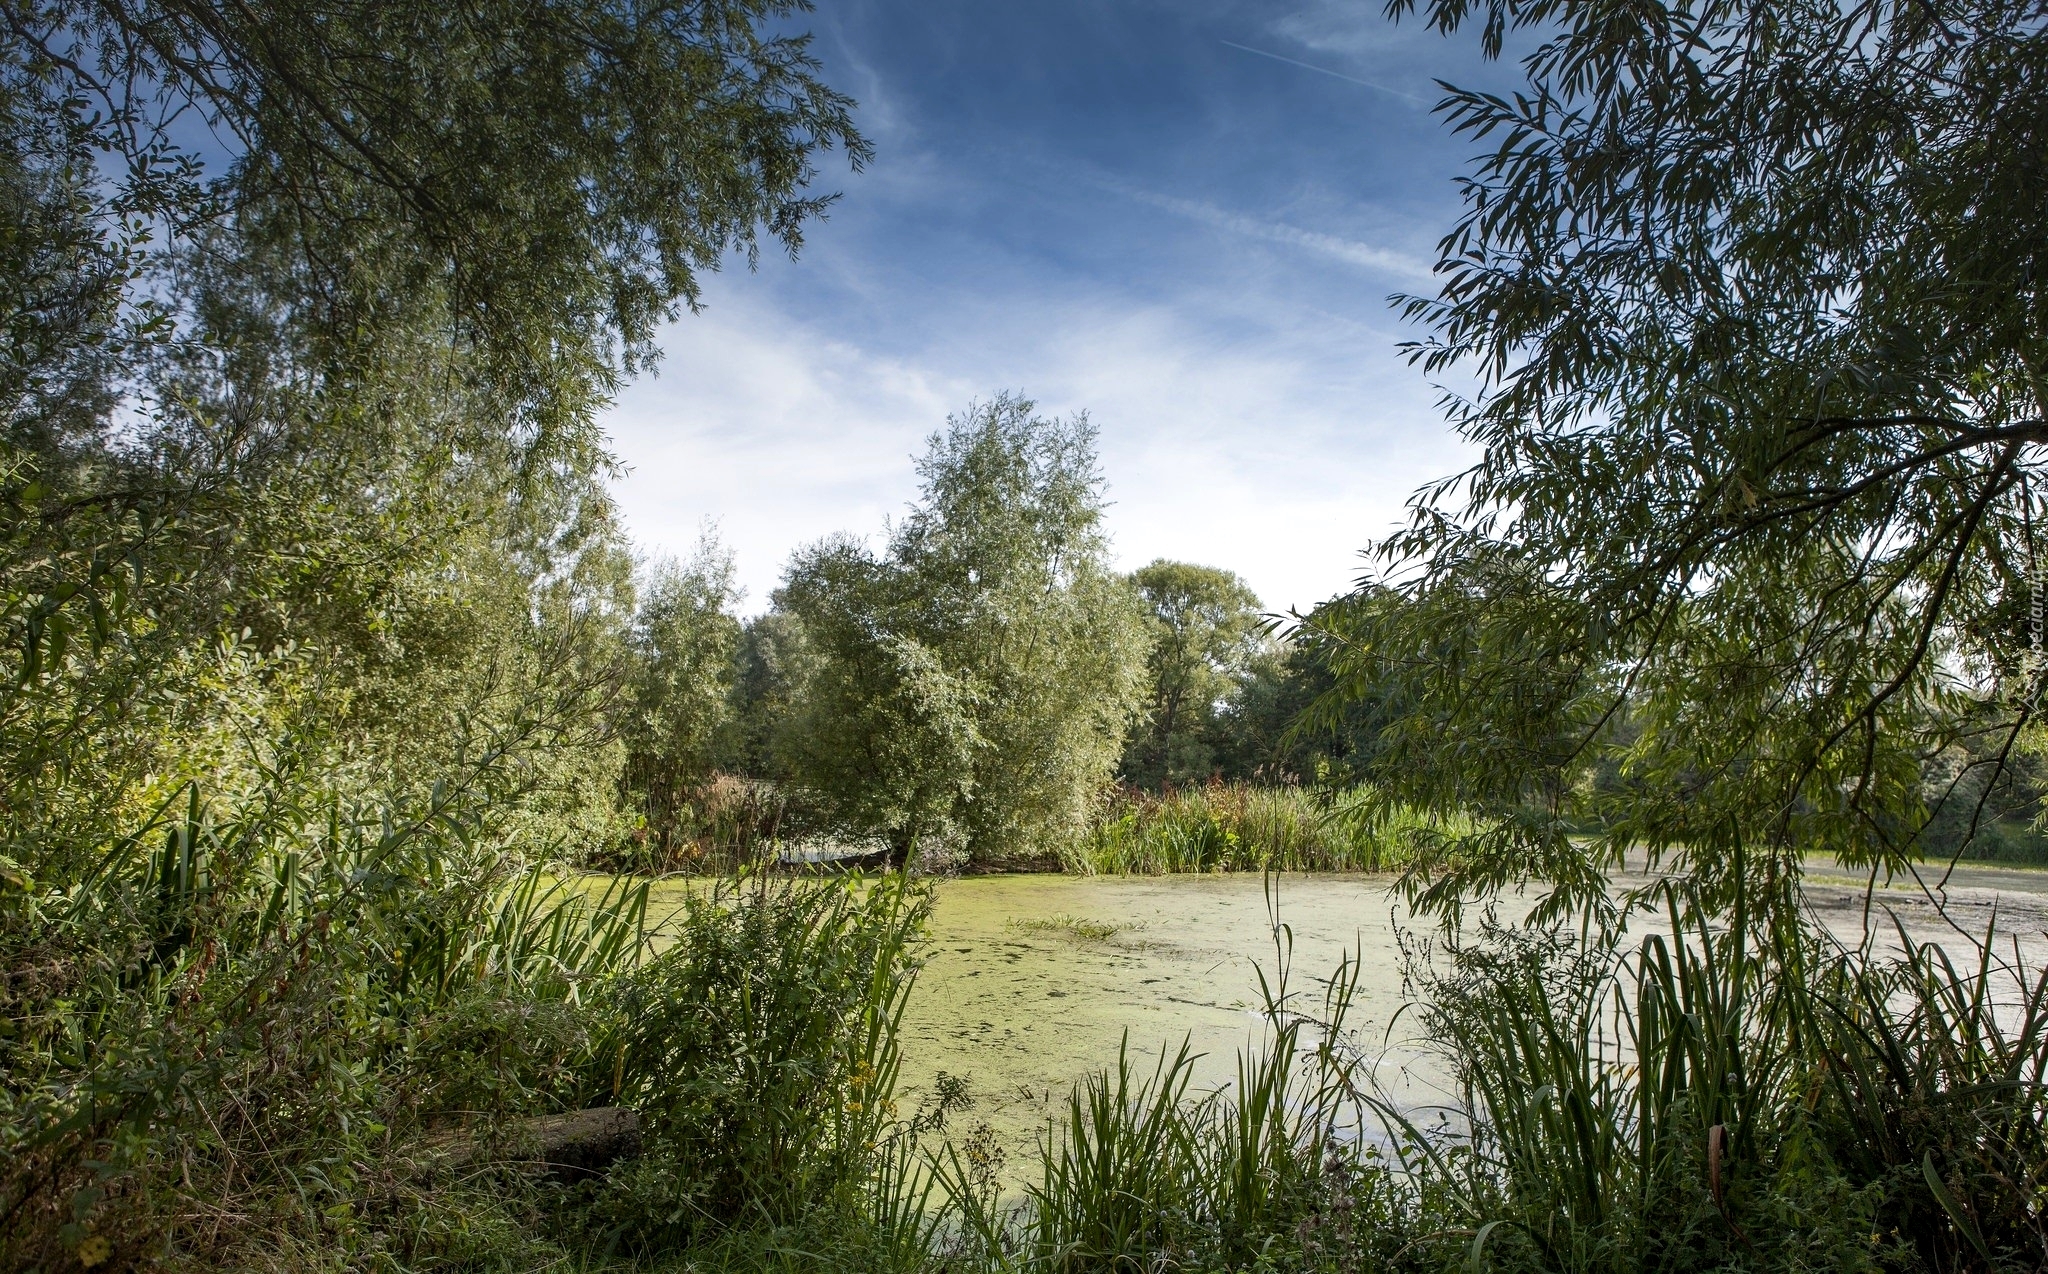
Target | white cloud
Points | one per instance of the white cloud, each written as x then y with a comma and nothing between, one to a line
1277,448
778,435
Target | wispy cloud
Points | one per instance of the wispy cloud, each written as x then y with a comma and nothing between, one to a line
1350,251
1277,448
1230,339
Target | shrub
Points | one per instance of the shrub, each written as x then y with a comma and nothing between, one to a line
725,823
240,1034
761,1052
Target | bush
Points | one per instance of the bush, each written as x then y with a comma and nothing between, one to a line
723,824
761,1052
247,1037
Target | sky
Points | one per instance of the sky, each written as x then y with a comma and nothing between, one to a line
1183,217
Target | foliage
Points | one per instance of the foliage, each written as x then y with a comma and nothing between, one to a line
516,170
260,1011
971,688
767,668
1750,296
1280,723
679,679
1240,828
1252,737
1206,633
1742,1097
313,607
1984,796
761,1052
322,466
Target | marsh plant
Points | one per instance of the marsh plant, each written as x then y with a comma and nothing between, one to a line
1744,1095
1240,827
1272,1171
244,1032
761,1052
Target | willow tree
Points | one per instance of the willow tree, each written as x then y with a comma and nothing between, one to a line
306,312
307,564
1748,301
971,688
1206,635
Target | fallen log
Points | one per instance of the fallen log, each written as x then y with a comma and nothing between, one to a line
572,1146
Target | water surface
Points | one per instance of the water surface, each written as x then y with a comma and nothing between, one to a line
1032,982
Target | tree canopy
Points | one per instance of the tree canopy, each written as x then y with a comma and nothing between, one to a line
310,307
1751,296
971,688
1206,631
543,181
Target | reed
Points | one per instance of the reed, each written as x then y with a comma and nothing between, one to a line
1740,1093
720,825
1269,1172
761,1052
1733,1092
259,1006
1237,827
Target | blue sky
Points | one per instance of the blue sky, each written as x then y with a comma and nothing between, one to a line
1183,218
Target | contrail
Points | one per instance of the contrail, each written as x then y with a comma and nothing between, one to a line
1322,70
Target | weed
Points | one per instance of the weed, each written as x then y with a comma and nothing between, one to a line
1079,928
761,1052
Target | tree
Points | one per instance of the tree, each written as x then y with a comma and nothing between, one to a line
307,565
353,349
766,669
519,170
883,734
679,682
1206,633
1752,298
973,686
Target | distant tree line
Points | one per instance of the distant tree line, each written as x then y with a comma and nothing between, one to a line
971,688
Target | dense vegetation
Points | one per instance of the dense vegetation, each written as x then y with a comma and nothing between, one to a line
1750,297
324,668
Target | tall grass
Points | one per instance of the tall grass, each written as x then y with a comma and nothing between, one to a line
1270,1172
1732,1095
1236,827
260,1011
1742,1095
723,824
761,1052
265,1038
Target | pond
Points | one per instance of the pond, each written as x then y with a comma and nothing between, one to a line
1033,981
